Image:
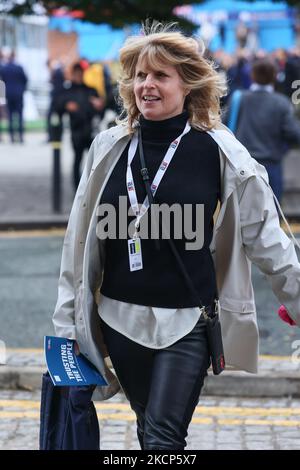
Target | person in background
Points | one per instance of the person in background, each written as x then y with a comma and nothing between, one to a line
15,81
239,74
81,103
241,34
2,92
98,76
266,122
95,77
292,70
57,80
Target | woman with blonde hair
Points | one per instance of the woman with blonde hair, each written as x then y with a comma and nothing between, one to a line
123,293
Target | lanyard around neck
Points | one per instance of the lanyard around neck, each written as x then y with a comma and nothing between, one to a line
139,212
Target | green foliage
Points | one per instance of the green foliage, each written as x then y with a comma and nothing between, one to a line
117,13
292,3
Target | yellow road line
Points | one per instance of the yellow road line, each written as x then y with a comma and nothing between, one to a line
261,357
202,410
259,422
197,420
27,404
19,414
249,411
49,232
36,404
279,358
131,417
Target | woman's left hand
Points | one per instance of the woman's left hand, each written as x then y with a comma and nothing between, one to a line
76,348
284,315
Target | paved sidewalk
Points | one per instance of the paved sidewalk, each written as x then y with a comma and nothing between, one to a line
219,423
278,376
26,183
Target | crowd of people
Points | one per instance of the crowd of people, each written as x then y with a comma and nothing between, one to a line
87,93
237,67
262,118
84,92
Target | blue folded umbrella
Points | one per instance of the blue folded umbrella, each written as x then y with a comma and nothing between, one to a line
68,419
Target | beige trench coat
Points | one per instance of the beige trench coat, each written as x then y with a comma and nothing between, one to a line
246,230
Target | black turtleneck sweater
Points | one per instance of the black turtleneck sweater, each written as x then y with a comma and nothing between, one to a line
193,177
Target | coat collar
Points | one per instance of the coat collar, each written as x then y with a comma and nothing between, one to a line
108,139
241,165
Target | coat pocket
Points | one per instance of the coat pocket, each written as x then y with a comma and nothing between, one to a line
240,334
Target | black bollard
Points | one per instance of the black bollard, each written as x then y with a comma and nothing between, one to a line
55,140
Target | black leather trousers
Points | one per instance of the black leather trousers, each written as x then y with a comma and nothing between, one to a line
162,385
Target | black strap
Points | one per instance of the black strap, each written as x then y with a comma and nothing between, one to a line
145,176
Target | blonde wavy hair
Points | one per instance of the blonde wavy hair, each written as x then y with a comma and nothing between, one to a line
160,45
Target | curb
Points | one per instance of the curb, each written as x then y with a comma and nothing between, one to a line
35,223
227,384
252,386
21,378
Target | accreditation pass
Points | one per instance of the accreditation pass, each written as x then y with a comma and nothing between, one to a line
135,254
